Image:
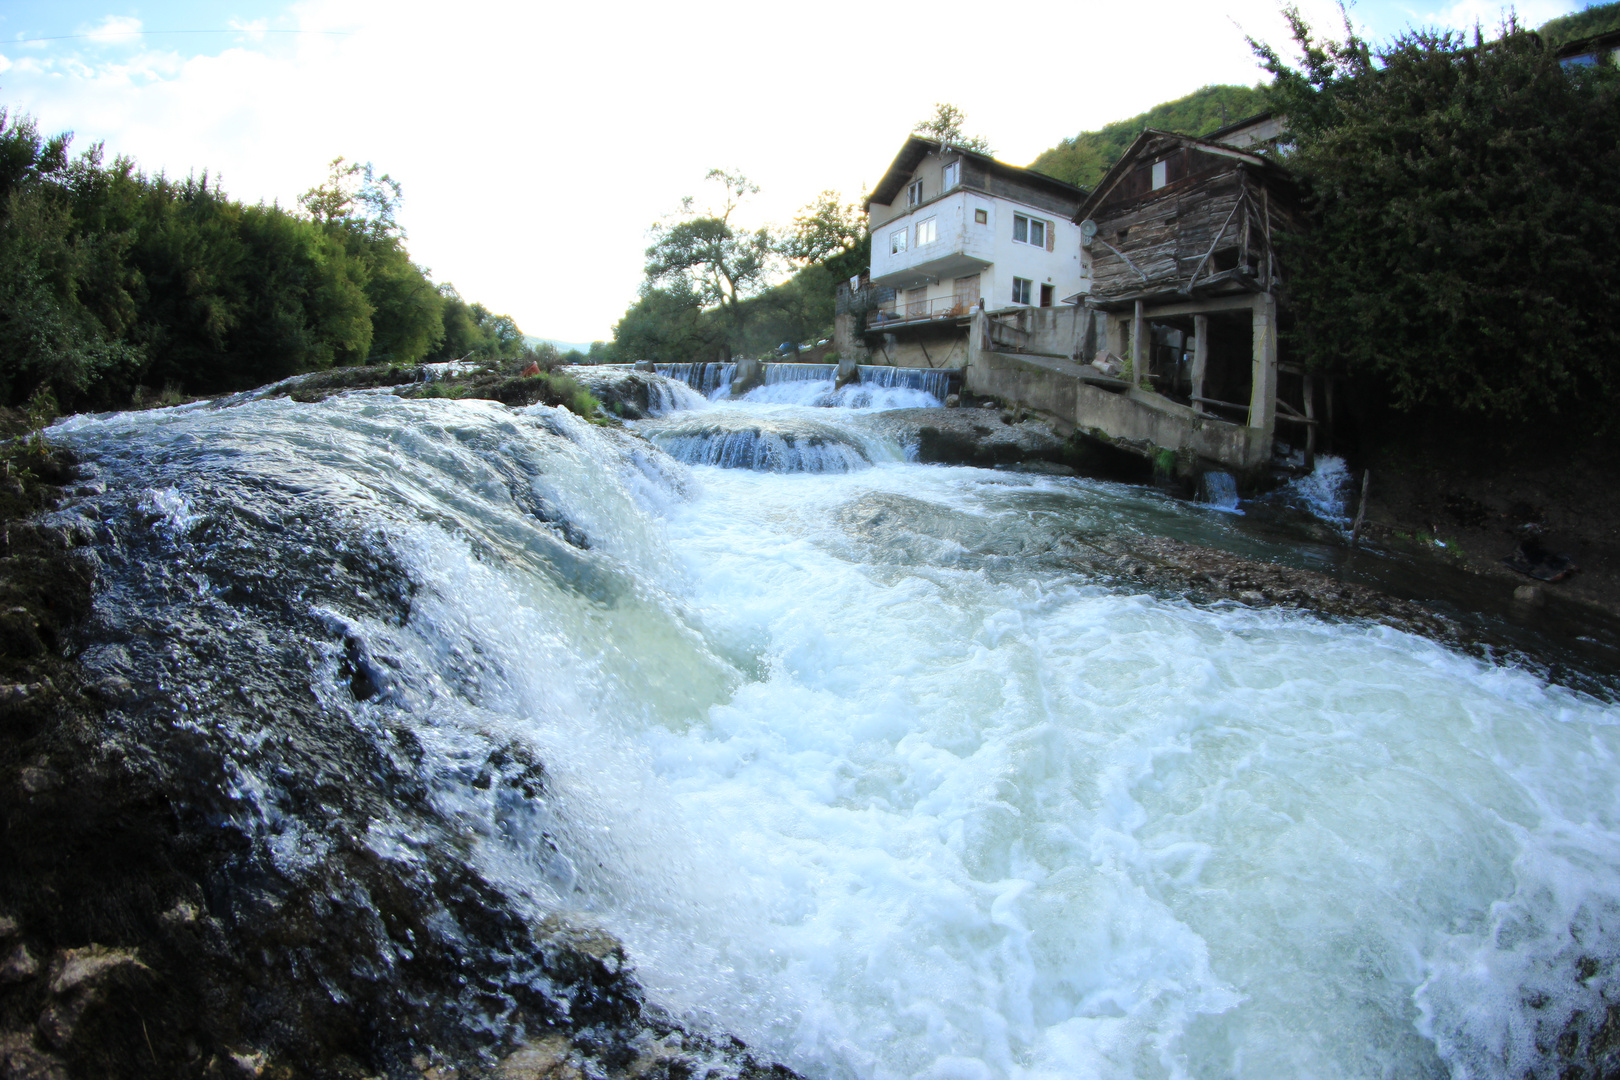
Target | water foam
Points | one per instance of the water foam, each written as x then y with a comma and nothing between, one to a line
895,794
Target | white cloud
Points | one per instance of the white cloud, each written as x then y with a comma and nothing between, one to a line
1490,15
114,28
5,64
537,144
250,31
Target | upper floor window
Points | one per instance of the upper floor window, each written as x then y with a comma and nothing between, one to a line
1161,174
953,174
914,193
1022,290
927,232
1028,230
897,241
981,216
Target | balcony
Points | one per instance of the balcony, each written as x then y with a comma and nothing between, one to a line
900,311
960,248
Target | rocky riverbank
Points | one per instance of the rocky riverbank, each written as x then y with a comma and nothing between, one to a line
140,936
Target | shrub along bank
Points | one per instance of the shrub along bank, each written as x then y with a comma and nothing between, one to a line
114,283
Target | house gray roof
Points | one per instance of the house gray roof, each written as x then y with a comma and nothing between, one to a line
916,148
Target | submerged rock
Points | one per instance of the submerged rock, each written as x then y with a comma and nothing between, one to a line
966,436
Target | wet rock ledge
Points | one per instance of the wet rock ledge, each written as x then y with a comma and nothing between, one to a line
140,936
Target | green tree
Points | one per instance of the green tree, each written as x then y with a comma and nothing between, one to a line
946,126
823,229
1464,240
705,259
666,327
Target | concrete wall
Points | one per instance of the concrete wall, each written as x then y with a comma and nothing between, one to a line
935,351
1137,419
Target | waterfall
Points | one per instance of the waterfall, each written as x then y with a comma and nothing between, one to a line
875,388
860,764
711,380
1219,489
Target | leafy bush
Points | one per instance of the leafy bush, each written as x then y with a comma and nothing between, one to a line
1464,242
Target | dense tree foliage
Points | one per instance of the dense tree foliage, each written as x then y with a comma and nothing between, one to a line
1464,247
1084,159
705,258
708,293
110,280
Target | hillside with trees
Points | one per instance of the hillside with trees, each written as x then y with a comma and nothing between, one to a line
1083,159
1597,19
115,285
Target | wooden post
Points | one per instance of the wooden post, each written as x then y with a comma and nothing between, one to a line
1327,434
1310,414
1200,358
1361,511
1138,346
1263,393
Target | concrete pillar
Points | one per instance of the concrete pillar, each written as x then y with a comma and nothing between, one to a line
1138,346
1200,359
1263,398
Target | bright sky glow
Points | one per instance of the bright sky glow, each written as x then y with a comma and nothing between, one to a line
537,143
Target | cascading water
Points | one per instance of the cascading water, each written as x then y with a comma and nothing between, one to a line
856,763
1324,492
711,380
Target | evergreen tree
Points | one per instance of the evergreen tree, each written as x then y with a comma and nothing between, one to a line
1464,241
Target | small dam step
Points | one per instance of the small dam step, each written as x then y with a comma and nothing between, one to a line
708,378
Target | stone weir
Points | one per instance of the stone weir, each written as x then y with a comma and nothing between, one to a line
740,376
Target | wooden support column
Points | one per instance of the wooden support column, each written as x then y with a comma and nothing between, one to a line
1200,359
1138,346
1327,434
1310,414
1263,396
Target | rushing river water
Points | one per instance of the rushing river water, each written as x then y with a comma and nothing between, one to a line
859,767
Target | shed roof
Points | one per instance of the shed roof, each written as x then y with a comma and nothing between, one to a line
1127,162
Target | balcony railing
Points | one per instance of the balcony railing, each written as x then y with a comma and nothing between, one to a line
941,307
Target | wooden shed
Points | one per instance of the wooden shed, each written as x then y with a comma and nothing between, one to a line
1182,234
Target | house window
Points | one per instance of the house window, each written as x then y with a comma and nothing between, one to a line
1046,295
1161,174
917,301
897,241
1022,290
1028,230
953,174
981,217
927,232
914,193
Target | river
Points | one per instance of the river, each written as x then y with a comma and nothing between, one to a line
849,755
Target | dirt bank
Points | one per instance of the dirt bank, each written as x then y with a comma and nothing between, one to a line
1476,503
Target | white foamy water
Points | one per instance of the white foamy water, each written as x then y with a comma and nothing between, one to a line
1325,492
861,771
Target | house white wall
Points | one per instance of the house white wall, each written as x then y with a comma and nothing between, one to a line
964,246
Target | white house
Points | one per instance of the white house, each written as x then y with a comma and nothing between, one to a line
951,227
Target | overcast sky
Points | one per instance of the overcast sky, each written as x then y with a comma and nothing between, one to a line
537,142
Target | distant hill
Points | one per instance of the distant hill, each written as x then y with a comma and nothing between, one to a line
1597,19
561,346
1084,159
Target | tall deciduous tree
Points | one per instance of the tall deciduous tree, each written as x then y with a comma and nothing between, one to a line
1464,246
705,259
